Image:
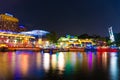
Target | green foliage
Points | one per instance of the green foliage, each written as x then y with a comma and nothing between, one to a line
117,39
109,43
83,36
52,37
68,36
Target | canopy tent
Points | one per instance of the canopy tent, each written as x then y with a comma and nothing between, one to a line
36,33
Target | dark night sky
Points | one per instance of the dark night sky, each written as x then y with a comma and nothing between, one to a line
66,16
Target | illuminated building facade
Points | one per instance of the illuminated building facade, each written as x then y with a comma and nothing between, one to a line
40,35
74,42
8,23
16,40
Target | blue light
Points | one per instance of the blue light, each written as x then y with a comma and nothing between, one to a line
68,36
72,36
9,14
21,26
38,33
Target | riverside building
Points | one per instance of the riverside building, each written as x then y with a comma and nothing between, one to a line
9,32
10,23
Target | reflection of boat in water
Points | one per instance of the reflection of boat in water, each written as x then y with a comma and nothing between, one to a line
3,47
63,49
49,50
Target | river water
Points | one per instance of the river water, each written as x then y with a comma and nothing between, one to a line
29,65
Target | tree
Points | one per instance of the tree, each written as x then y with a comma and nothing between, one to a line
117,39
52,37
83,36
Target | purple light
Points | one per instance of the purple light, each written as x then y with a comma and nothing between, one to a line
21,26
7,31
90,60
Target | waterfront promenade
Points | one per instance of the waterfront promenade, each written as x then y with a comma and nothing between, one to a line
33,49
48,50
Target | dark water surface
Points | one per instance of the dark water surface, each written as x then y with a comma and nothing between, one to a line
28,65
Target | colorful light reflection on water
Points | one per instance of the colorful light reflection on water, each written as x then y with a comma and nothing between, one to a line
62,65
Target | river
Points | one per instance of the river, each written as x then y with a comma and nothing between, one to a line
29,65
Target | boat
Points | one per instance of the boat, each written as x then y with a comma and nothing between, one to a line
49,50
77,49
